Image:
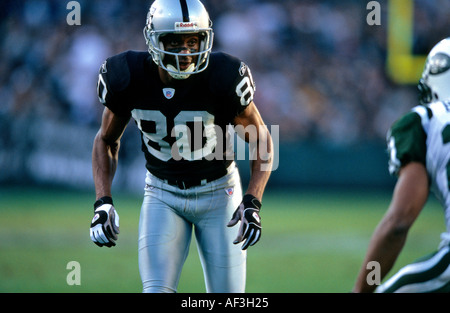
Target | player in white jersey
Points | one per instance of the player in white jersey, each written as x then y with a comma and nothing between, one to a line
182,98
419,151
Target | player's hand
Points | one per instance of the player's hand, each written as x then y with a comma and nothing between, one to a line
248,214
105,224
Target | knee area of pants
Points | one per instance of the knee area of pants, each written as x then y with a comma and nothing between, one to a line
158,289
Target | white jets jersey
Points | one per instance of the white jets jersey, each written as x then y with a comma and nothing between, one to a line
423,135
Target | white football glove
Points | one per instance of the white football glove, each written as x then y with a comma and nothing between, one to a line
105,224
248,214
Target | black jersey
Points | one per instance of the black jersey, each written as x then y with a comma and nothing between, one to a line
183,125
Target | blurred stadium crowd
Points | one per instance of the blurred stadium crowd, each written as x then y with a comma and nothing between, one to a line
319,68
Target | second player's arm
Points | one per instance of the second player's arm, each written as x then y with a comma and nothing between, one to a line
409,197
105,151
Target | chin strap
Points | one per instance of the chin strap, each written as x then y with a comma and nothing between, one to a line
180,74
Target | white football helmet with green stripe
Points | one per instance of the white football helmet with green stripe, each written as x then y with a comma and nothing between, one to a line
435,81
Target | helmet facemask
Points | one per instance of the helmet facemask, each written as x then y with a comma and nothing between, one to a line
170,59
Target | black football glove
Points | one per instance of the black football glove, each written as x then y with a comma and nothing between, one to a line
248,214
105,224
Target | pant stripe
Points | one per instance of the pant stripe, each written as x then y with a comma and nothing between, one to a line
430,274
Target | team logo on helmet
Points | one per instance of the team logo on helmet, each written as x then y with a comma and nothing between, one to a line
439,63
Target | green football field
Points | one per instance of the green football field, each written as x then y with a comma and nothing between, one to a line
313,241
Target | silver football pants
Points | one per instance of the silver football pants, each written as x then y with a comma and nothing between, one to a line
168,217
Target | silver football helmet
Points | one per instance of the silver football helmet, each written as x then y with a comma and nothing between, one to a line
435,82
178,17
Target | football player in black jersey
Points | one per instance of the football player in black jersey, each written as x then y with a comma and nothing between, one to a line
186,101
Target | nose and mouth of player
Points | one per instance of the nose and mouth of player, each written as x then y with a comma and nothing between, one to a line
184,58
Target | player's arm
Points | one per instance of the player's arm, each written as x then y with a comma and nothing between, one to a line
105,152
255,132
105,224
250,127
409,197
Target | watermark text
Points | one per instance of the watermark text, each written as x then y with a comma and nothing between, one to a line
374,276
74,16
74,276
374,16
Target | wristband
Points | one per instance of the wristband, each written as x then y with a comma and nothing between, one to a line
252,200
102,201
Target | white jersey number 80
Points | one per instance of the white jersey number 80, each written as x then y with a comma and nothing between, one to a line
193,132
